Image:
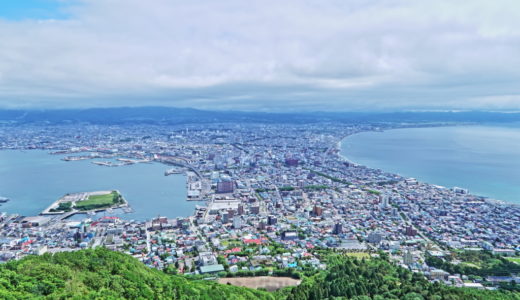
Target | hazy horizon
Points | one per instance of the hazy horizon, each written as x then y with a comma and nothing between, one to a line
282,111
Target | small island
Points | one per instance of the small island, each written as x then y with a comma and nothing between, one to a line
86,202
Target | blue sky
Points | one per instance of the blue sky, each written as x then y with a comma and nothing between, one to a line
267,55
32,9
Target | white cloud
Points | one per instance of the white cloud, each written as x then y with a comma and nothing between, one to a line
267,54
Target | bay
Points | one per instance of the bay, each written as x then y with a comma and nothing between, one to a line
33,179
484,159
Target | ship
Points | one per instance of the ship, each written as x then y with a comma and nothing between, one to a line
4,199
172,171
128,210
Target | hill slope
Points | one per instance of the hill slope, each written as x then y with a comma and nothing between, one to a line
378,279
104,274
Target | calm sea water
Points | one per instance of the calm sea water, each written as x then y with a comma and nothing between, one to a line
484,159
34,179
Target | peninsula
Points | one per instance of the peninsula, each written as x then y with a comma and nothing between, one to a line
85,203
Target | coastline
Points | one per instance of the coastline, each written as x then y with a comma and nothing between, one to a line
341,155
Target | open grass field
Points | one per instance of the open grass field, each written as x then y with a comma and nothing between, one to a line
358,255
470,265
269,283
514,259
97,201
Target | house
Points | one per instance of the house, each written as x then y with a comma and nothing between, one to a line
289,236
211,269
504,252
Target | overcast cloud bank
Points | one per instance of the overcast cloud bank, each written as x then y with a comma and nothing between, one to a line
267,55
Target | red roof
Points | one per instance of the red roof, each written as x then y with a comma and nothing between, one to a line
256,241
234,250
252,241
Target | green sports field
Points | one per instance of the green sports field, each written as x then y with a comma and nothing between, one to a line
98,201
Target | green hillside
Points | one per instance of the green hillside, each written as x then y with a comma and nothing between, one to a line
378,279
103,274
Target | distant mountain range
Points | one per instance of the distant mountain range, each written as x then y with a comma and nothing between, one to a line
169,115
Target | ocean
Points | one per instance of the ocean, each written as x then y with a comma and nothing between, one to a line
33,179
483,159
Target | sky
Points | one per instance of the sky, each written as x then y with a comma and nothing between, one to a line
269,55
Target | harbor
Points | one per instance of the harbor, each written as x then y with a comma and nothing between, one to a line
143,185
120,162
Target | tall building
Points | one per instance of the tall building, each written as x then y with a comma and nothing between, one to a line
385,201
374,238
410,231
317,211
261,225
408,257
225,186
237,222
255,210
225,218
291,162
240,210
271,220
338,229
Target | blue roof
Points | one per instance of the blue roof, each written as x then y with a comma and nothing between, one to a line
211,268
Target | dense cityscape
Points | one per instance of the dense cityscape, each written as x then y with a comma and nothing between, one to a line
269,197
259,150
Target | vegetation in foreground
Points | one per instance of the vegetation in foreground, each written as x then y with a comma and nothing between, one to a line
103,274
378,279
